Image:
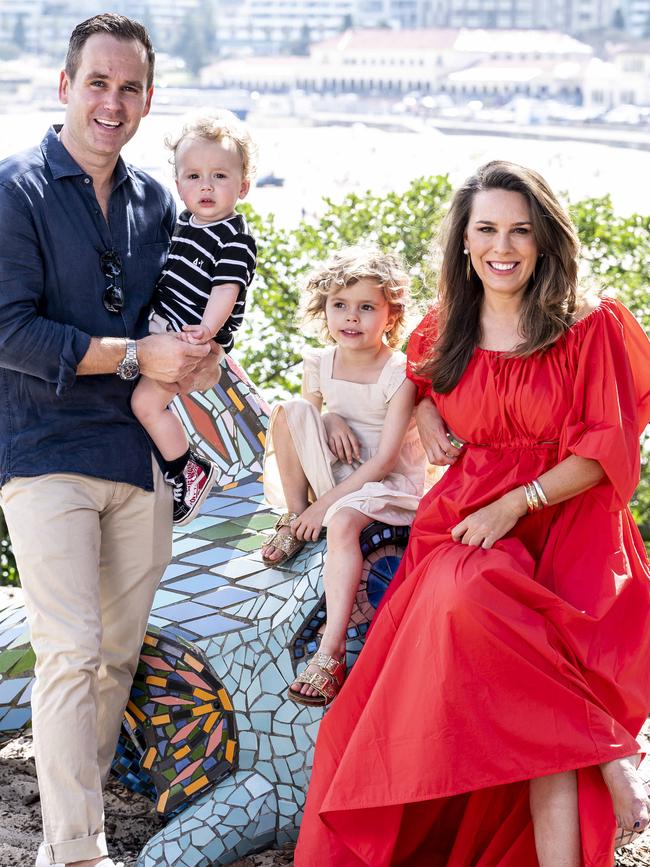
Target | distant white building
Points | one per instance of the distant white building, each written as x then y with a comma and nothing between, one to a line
491,65
623,80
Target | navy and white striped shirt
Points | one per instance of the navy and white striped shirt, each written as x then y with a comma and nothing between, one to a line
201,258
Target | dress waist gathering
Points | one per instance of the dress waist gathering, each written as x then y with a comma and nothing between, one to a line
514,444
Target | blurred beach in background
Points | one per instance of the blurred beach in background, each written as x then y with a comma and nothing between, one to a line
314,161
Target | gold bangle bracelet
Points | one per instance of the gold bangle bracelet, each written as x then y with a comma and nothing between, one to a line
530,503
532,498
540,492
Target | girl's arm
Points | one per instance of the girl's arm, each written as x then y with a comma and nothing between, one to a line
398,416
570,477
313,398
341,438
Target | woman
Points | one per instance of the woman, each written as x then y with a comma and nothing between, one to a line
491,717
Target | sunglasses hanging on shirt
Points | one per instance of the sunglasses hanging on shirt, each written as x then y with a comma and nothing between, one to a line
111,265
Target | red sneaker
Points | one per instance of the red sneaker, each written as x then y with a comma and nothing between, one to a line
191,488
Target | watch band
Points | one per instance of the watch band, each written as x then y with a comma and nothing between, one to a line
128,368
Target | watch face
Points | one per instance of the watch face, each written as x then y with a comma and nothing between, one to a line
128,370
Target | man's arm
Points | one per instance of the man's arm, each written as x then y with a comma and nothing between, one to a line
29,342
53,351
161,356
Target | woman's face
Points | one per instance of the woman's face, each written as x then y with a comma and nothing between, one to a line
500,240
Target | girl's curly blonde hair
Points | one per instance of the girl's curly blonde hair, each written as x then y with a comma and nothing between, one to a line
345,268
217,125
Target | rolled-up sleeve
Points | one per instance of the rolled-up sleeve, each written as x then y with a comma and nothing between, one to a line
29,342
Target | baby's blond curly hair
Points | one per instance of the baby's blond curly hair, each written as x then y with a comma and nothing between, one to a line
348,266
217,125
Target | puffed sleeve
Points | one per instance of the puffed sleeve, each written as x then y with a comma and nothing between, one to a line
396,374
311,371
419,346
611,398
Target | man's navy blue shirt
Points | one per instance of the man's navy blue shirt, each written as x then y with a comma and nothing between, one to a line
51,288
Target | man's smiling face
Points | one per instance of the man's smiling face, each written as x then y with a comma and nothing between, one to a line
105,100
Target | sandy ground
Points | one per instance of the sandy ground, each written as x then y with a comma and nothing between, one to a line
130,819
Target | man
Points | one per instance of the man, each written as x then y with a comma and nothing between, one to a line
83,239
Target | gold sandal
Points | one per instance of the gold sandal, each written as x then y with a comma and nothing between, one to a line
285,542
327,682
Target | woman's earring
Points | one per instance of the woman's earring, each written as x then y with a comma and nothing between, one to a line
468,265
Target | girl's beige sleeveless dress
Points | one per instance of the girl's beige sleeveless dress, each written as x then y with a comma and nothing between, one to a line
392,500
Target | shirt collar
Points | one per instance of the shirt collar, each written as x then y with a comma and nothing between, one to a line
62,165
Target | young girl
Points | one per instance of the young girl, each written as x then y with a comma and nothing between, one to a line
360,462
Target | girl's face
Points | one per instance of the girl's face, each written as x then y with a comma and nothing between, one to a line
500,240
358,315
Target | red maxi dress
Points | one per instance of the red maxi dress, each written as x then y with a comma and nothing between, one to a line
485,668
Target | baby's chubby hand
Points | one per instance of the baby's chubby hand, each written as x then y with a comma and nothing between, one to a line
195,334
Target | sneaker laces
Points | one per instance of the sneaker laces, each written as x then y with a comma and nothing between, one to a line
179,489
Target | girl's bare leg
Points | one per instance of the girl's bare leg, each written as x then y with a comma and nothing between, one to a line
294,481
149,404
629,796
342,573
554,808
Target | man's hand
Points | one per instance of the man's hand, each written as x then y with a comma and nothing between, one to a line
166,358
205,375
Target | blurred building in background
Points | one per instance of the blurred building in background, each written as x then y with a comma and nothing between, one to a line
590,54
235,27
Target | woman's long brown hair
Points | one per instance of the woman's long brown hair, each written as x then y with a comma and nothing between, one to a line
549,303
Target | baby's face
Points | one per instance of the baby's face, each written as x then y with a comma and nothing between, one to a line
209,178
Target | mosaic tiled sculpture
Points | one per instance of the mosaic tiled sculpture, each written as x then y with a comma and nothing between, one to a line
209,734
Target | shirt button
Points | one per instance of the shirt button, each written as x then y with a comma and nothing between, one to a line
86,180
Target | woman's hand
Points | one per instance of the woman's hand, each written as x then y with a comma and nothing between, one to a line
433,435
489,524
340,438
308,525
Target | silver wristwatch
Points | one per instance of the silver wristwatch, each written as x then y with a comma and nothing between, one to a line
128,368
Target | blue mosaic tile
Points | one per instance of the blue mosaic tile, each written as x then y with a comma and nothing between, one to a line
16,719
182,546
166,597
174,570
233,510
225,596
8,636
184,611
198,583
213,624
213,556
9,689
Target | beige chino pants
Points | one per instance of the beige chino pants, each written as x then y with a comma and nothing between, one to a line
90,554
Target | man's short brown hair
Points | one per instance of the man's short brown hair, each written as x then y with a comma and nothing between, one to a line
118,26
